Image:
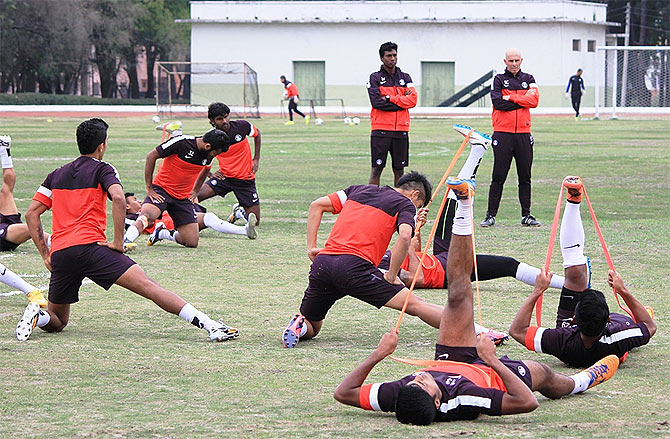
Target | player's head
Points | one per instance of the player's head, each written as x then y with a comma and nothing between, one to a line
513,60
216,141
91,134
416,187
592,313
579,72
418,400
388,53
218,114
282,79
132,203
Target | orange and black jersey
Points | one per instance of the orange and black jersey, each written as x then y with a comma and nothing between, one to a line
291,89
77,195
512,115
237,161
182,164
368,217
392,114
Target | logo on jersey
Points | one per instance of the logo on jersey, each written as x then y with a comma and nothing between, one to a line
379,161
382,80
521,371
238,137
204,162
189,155
524,84
505,83
401,82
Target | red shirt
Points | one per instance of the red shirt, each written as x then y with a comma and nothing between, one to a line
237,161
291,89
182,164
433,270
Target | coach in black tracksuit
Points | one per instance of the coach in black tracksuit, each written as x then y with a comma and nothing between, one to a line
576,87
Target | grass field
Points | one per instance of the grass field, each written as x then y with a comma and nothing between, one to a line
123,368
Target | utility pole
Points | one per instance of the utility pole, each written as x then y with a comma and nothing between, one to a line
624,76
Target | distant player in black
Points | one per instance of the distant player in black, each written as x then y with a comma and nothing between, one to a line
585,329
576,89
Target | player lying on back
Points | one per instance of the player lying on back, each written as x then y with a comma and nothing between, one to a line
585,329
474,380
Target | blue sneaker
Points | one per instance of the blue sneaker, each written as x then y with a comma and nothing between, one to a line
476,138
462,188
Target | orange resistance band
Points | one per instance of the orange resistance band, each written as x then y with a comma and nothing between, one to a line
434,229
483,375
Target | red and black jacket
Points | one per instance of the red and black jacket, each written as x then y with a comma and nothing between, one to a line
391,114
513,115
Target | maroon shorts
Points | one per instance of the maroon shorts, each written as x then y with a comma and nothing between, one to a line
5,222
397,144
181,211
72,264
332,277
468,354
244,190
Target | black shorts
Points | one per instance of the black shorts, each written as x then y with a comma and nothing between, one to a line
6,221
398,146
72,264
199,208
244,190
332,277
181,211
468,354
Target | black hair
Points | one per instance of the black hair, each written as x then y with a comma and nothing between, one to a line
218,139
416,181
579,70
129,194
90,134
387,47
592,313
282,77
217,109
414,406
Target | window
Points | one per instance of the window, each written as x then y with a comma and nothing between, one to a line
576,45
591,45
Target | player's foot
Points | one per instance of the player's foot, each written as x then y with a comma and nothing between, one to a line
5,142
650,310
129,246
251,226
154,237
476,138
28,321
497,337
575,188
237,213
291,334
289,123
307,118
530,221
489,221
462,188
170,127
602,370
37,297
223,332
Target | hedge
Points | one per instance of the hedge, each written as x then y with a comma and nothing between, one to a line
52,99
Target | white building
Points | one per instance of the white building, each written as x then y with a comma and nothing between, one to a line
329,48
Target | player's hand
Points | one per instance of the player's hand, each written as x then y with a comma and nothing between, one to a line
254,165
567,95
193,197
47,262
542,281
408,92
486,349
392,278
151,193
422,215
219,175
312,252
113,245
615,281
387,344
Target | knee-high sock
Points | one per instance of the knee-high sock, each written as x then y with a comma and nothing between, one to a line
527,274
12,279
463,218
214,222
469,169
131,234
196,317
572,236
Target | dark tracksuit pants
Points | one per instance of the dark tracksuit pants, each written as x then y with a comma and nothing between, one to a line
576,101
505,147
292,106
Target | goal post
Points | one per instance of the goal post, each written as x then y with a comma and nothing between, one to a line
188,86
634,78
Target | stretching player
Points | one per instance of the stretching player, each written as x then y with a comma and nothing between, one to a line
473,380
187,160
133,209
237,169
12,279
585,329
346,266
77,194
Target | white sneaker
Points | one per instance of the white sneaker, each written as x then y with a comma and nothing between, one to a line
223,332
170,127
476,138
28,321
251,226
233,215
5,154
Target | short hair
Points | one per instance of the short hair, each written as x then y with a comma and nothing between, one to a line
414,406
282,77
579,70
592,313
90,134
129,194
416,181
217,109
387,47
218,139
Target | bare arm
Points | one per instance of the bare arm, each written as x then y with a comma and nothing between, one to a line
413,265
257,152
348,392
639,311
35,211
149,166
198,184
398,253
316,211
521,321
115,191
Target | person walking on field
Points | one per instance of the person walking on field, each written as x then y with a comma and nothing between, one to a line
575,89
291,93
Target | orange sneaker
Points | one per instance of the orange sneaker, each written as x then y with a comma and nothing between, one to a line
603,370
497,337
462,188
291,334
575,188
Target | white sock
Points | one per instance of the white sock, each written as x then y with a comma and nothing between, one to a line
12,279
214,222
527,274
166,234
131,234
469,169
43,319
462,218
195,317
5,156
582,381
572,236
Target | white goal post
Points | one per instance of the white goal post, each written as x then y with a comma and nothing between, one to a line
636,78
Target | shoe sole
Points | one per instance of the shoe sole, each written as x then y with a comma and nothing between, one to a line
530,225
476,136
290,337
251,226
487,225
28,322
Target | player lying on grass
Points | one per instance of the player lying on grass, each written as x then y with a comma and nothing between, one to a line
133,209
585,329
473,380
368,216
186,163
77,195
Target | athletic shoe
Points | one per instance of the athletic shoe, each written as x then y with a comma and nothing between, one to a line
28,321
37,297
650,310
603,370
223,332
489,221
307,118
530,221
289,123
476,138
154,236
291,334
237,213
251,226
170,127
5,142
497,336
129,246
588,266
575,187
461,187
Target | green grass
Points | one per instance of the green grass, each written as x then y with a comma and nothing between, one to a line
123,368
